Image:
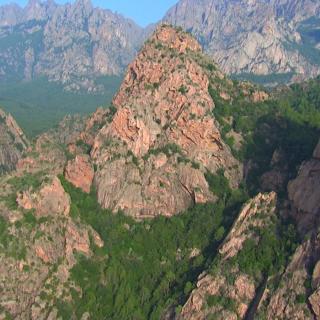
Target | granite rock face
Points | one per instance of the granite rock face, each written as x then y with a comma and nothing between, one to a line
12,142
51,199
152,156
226,280
40,240
43,250
259,37
304,194
294,293
80,172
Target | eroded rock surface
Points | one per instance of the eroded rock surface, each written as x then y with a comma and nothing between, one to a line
51,199
41,246
294,287
259,37
304,194
226,282
152,157
12,143
80,172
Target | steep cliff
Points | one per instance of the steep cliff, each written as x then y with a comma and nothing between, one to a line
77,44
12,142
152,157
294,293
230,287
304,194
251,278
39,239
39,246
258,37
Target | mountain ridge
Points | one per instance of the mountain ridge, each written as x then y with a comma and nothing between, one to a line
256,37
162,133
72,43
190,230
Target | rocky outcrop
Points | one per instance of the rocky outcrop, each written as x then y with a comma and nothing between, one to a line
152,157
94,123
304,194
40,250
74,44
314,301
80,172
256,37
12,142
51,199
68,130
294,293
46,155
249,217
227,291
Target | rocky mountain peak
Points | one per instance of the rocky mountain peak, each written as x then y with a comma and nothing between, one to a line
152,156
175,39
9,14
36,10
85,5
160,87
34,3
73,44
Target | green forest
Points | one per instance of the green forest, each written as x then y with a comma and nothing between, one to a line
273,124
145,269
146,266
49,102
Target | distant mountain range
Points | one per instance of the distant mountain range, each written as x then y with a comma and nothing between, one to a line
194,197
77,44
73,44
260,37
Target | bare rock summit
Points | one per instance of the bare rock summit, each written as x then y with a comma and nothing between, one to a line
152,157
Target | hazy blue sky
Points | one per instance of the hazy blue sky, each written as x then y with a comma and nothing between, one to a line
142,11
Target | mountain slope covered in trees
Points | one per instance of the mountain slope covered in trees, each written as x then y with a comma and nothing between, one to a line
251,249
